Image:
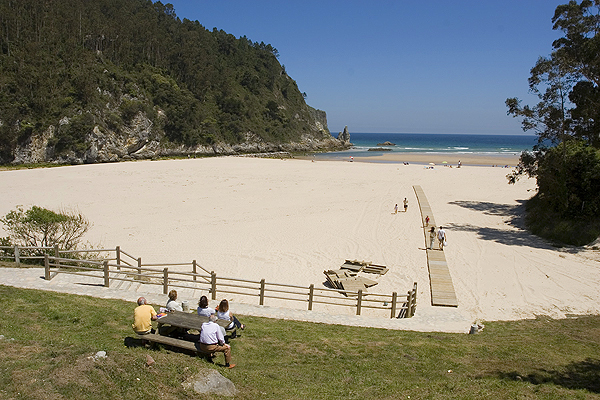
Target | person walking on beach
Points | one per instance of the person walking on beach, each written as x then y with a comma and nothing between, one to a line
405,204
441,237
396,209
427,220
431,237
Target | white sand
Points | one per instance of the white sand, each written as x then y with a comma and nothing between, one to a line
288,220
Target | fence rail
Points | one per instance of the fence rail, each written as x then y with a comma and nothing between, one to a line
114,267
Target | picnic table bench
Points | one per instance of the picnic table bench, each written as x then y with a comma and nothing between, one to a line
181,320
170,341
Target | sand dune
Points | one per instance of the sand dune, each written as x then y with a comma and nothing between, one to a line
288,220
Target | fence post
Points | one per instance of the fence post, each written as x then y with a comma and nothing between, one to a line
414,307
165,280
46,267
359,302
262,292
118,257
56,253
409,304
213,284
17,256
106,276
194,268
139,269
311,292
394,299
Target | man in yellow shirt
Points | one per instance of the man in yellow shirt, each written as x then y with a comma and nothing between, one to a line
143,315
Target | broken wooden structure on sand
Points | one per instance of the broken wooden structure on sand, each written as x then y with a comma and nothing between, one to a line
347,278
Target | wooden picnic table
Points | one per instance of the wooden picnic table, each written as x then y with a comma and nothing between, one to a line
180,320
187,320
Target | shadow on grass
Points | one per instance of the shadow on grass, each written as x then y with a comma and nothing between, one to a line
132,342
576,375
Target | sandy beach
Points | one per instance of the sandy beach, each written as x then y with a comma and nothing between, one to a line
289,220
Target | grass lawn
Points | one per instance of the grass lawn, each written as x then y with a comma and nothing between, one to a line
54,334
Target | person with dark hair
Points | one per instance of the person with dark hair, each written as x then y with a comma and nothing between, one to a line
205,311
441,237
212,340
224,313
431,237
143,315
203,308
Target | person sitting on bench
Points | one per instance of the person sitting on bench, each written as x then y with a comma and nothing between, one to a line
224,313
205,311
212,340
172,304
143,315
203,308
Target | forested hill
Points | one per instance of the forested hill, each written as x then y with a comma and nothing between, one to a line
103,80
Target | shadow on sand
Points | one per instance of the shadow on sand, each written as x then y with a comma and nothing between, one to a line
514,216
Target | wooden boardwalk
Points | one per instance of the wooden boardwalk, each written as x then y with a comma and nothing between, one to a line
442,289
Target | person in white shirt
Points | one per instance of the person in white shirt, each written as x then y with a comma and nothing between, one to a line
212,340
172,304
203,308
224,313
205,311
441,237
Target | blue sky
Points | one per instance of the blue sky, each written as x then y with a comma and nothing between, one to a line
398,66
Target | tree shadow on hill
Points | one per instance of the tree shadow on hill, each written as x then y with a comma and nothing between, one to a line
576,375
513,216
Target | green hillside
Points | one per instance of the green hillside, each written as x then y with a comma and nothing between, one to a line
78,76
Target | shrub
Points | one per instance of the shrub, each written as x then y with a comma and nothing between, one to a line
37,227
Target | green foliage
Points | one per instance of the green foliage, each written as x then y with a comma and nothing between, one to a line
566,118
71,136
39,226
567,204
281,359
105,61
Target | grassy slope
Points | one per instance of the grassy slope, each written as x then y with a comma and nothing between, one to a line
54,334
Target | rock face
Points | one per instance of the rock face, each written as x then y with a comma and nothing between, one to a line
344,136
141,140
209,381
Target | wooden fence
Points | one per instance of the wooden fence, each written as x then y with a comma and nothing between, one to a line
118,265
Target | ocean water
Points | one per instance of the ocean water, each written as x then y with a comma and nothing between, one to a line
438,144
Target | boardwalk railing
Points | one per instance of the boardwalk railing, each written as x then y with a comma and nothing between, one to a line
117,265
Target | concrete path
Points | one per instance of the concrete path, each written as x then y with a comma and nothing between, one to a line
427,319
442,288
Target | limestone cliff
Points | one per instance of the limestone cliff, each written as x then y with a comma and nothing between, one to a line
141,139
